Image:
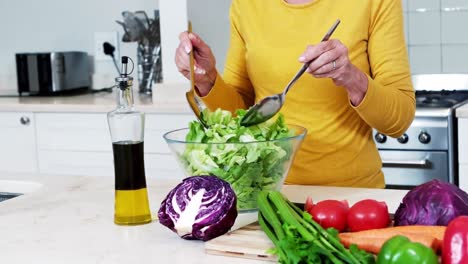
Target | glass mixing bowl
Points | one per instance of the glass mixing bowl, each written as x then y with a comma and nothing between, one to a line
249,167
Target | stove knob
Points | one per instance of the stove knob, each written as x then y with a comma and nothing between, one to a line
403,139
424,138
380,138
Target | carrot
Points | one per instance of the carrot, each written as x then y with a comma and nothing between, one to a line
372,240
435,231
373,244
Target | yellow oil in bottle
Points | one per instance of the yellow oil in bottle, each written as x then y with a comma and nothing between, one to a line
132,207
131,195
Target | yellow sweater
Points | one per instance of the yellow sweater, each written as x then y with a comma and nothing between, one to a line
268,36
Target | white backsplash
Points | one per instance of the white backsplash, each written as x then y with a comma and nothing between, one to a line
52,25
436,32
436,35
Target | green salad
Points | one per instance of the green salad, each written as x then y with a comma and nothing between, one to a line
254,164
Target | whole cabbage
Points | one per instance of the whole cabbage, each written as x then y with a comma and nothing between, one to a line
432,203
200,207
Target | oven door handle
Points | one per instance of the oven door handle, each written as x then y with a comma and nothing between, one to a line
408,163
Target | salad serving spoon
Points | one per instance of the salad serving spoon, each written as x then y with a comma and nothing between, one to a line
270,105
192,99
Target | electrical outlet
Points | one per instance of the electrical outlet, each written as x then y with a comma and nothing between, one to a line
99,38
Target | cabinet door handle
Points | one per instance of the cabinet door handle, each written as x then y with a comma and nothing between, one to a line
24,120
416,163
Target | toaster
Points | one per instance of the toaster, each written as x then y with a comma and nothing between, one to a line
49,73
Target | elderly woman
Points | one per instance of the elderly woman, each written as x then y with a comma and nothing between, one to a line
358,80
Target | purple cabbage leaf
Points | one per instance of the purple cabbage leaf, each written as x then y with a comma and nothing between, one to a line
432,203
200,207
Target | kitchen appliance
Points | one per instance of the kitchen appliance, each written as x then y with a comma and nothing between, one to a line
428,148
52,72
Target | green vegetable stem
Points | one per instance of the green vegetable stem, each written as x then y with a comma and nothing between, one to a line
298,238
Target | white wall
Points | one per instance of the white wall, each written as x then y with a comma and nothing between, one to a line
57,25
173,21
437,41
436,35
210,19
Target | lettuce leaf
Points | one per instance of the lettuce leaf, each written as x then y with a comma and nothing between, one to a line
257,165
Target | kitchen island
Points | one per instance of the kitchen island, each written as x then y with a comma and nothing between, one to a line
52,134
69,219
166,99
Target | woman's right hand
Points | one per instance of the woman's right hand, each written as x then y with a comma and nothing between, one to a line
205,63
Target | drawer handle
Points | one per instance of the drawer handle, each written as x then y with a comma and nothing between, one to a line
413,163
24,120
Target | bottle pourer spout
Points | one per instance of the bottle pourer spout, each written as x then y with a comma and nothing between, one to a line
125,80
124,71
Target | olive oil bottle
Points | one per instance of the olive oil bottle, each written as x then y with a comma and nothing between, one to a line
126,126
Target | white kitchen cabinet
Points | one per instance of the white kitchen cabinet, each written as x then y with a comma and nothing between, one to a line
463,177
463,153
159,161
155,127
70,162
463,140
80,144
74,143
73,132
18,142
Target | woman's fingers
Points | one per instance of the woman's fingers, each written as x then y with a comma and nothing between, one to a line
199,44
205,62
314,51
326,58
327,62
185,42
182,60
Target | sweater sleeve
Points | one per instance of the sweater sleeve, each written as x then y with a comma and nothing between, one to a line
234,90
389,104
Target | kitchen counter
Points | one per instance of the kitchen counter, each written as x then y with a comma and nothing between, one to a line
166,99
70,220
462,111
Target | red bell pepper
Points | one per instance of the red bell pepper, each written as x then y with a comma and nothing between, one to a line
455,247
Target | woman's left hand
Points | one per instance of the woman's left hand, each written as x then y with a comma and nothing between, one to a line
330,60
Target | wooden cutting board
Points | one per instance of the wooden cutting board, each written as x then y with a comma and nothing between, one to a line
247,242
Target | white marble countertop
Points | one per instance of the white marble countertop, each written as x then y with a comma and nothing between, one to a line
462,111
70,220
166,99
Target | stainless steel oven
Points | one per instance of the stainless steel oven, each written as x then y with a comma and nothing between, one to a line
428,149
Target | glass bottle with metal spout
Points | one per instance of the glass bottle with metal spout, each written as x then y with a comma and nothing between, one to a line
126,126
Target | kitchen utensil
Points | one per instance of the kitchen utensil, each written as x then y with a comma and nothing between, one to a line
141,15
195,103
109,50
247,242
152,70
134,26
270,105
248,176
